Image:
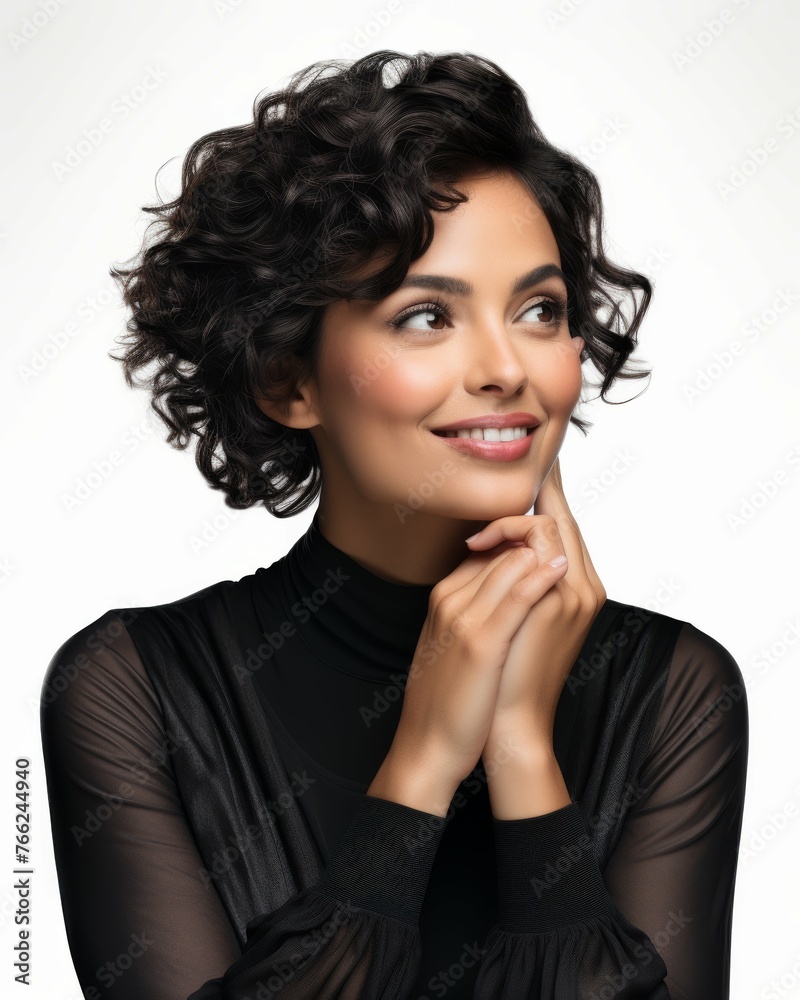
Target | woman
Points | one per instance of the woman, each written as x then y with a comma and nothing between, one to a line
419,755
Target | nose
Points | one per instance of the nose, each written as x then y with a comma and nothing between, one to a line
492,361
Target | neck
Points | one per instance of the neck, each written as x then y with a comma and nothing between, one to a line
402,546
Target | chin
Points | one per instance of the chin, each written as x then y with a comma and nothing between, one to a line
487,509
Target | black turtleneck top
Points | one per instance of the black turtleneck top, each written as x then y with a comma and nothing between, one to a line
207,762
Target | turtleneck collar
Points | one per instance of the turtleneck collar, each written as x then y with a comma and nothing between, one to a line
359,622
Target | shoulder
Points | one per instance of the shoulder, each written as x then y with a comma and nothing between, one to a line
102,727
695,654
93,670
103,660
705,693
704,698
702,662
102,656
98,710
701,676
698,746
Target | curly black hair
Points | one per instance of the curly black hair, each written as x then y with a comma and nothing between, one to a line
279,217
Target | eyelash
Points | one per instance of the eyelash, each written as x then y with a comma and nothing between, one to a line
440,308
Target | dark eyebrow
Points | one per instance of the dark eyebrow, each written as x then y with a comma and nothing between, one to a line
457,286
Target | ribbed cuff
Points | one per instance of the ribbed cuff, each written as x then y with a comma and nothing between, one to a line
547,876
384,858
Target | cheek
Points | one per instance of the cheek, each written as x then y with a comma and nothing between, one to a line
376,390
557,376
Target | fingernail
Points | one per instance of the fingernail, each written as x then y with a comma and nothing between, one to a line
558,561
472,536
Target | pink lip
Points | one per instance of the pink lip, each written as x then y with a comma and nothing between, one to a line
518,419
496,451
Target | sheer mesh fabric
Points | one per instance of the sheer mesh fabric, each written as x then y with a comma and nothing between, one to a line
650,918
673,871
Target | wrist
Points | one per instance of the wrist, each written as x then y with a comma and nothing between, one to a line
529,732
422,787
532,751
529,783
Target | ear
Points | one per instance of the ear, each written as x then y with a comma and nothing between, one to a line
579,343
298,411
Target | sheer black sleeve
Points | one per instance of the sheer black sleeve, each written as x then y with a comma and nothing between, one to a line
656,922
142,922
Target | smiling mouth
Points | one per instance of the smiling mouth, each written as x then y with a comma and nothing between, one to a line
488,433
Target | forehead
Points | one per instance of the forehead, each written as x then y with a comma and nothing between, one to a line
493,238
499,226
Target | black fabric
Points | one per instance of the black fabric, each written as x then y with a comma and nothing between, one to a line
207,762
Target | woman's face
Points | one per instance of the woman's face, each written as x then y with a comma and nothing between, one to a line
391,371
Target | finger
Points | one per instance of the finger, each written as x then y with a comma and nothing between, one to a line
513,528
468,575
550,498
475,562
591,572
521,530
491,601
537,533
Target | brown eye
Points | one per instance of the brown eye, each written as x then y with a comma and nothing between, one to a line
552,312
437,317
438,313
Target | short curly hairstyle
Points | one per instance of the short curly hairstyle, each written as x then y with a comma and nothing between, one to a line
279,217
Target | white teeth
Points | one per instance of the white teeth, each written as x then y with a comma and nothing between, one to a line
490,433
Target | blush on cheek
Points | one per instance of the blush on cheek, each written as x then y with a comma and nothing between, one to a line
559,378
366,409
404,391
576,376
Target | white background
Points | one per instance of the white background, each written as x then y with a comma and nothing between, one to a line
696,108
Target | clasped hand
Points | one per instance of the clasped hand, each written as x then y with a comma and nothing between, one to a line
545,647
